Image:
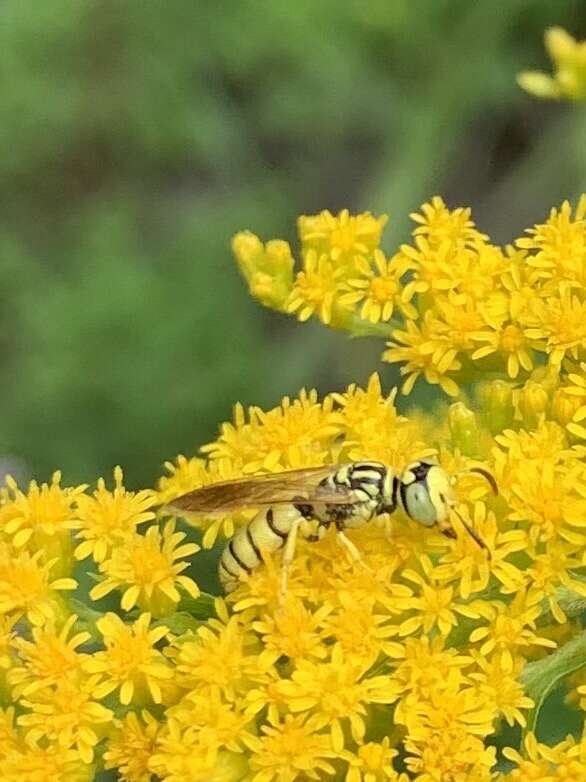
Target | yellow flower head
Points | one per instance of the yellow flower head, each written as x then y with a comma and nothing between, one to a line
49,658
130,662
109,518
565,761
180,757
184,475
46,764
7,636
295,633
569,60
147,569
316,288
426,352
131,746
373,762
341,237
291,751
67,713
41,519
376,286
216,724
26,588
335,693
221,657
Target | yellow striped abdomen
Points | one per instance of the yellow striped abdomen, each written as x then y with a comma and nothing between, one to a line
267,532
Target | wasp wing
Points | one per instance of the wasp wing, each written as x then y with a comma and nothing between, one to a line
293,486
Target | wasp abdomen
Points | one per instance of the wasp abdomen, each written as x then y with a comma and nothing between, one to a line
267,531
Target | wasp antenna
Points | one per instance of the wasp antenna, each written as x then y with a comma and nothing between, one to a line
489,478
473,534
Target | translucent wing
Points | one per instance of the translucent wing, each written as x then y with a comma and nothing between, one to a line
259,490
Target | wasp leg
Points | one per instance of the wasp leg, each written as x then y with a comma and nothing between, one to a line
288,555
355,555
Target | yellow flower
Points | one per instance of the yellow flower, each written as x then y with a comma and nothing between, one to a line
42,519
377,285
341,237
294,434
373,762
569,59
110,518
336,693
426,665
213,723
509,629
184,476
46,764
501,335
146,570
445,731
291,751
26,588
577,390
559,325
550,498
501,689
130,663
9,740
48,659
540,761
220,657
180,757
440,225
557,248
361,631
316,289
433,606
7,636
131,745
296,632
373,429
425,353
469,566
69,714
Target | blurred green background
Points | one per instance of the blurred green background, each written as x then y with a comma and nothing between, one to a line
137,137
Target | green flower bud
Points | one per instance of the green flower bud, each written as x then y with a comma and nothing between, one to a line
533,403
464,428
497,405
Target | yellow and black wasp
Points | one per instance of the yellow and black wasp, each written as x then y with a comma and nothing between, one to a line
344,496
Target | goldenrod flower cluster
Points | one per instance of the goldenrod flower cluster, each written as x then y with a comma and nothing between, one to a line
412,665
455,307
569,59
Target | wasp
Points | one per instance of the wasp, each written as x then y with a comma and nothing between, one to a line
344,496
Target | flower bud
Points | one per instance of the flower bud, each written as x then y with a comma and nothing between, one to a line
497,405
533,403
564,406
464,429
268,269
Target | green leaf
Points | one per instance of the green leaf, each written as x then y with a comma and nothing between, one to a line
539,678
180,622
88,617
201,608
